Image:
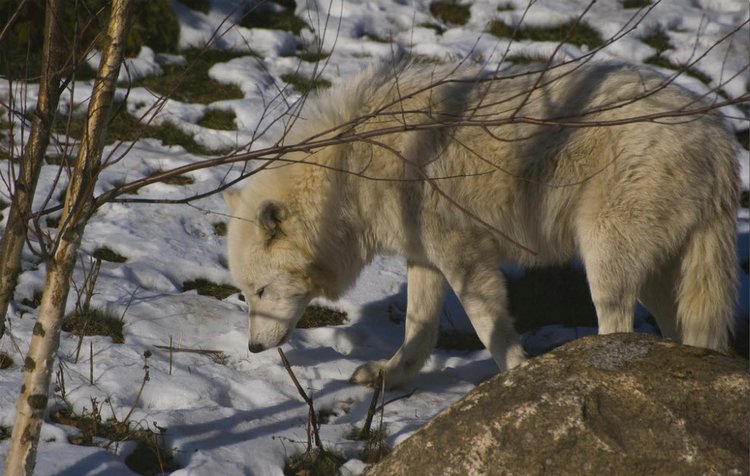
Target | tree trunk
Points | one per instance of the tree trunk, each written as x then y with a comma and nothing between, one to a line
14,237
39,362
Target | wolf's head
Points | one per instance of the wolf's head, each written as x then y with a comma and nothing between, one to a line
271,265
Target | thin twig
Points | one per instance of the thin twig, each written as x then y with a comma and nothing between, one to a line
308,400
365,433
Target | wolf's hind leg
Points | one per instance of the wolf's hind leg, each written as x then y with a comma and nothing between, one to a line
659,295
425,296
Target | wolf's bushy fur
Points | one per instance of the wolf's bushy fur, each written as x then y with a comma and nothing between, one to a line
585,160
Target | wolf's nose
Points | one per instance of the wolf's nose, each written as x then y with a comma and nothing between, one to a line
255,348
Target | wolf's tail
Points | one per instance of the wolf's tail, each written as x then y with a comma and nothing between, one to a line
707,290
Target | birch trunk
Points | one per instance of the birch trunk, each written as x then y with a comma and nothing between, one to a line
14,236
39,362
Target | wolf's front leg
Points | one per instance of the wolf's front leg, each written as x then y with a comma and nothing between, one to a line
425,296
480,285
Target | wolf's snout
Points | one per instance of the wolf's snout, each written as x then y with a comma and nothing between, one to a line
255,348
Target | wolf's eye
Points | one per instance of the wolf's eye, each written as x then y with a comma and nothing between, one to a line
259,292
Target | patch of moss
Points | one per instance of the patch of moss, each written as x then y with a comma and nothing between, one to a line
636,3
658,40
220,228
580,34
202,6
153,24
6,362
52,221
177,180
505,7
94,322
375,38
312,56
450,12
319,316
106,254
314,463
745,199
526,59
123,126
171,134
304,84
3,204
277,15
57,159
209,288
433,26
35,301
743,137
661,61
150,457
220,119
190,82
458,340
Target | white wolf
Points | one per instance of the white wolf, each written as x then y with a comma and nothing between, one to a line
455,171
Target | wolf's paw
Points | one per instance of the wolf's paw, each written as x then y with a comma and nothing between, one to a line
367,374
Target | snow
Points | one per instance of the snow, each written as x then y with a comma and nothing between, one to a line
242,414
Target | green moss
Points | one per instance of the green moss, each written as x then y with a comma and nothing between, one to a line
220,228
661,61
319,316
745,199
433,26
209,288
526,59
150,457
35,301
171,134
3,204
580,34
304,84
450,12
6,362
190,82
177,180
658,40
312,56
106,254
153,24
458,340
636,3
94,322
57,159
220,119
375,38
743,137
52,221
505,7
273,16
202,6
314,463
123,126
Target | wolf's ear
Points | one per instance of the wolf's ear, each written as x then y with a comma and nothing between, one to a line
270,217
232,197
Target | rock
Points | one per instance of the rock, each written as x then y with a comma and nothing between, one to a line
604,405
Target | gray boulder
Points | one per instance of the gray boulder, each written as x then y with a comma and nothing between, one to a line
626,404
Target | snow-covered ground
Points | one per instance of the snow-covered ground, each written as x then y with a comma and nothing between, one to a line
243,415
